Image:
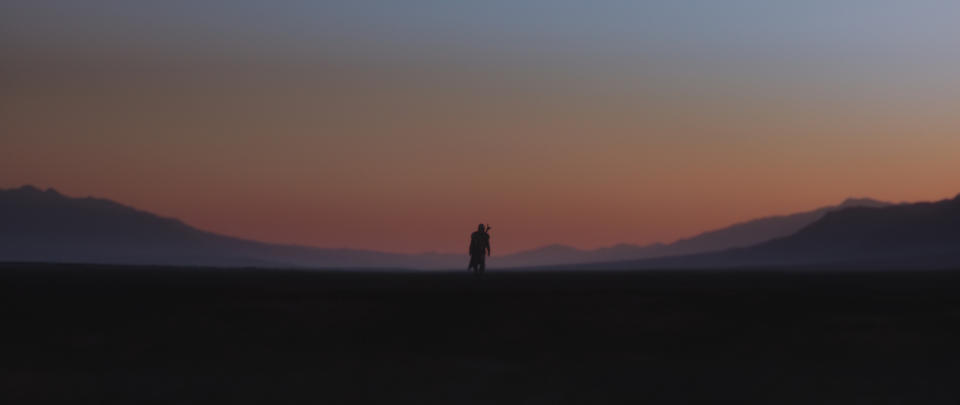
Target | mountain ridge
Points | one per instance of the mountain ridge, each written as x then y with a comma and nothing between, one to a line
49,226
740,234
45,225
923,235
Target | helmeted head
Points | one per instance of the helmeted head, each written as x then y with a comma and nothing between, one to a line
481,228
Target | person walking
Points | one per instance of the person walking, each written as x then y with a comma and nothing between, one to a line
479,249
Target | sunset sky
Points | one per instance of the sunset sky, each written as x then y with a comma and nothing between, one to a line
400,125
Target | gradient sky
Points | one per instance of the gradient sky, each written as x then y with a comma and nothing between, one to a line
399,126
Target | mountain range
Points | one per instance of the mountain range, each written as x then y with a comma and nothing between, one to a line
738,235
48,226
906,236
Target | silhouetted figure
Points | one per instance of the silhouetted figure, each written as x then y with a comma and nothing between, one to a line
479,249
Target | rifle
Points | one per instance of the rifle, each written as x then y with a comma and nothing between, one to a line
487,231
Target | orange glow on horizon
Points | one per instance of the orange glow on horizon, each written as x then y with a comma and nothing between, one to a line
406,149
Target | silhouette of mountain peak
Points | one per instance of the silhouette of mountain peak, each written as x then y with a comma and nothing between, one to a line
863,202
556,247
30,191
27,189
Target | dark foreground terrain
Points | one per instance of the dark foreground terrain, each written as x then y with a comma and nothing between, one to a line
85,334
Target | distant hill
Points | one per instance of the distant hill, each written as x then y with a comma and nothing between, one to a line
47,226
50,227
738,235
921,236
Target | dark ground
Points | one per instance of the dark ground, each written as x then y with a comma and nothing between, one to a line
85,334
